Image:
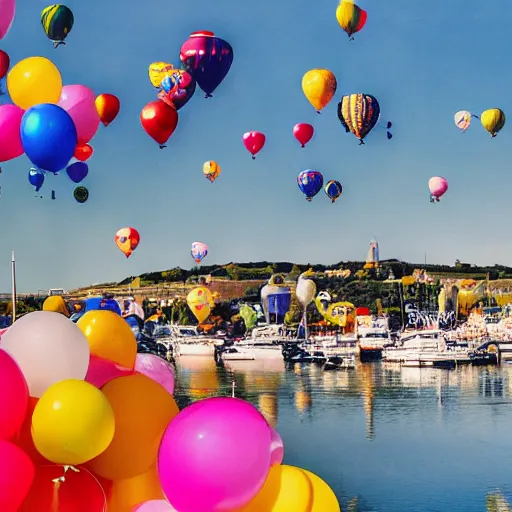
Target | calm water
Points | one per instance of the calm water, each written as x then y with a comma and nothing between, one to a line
386,439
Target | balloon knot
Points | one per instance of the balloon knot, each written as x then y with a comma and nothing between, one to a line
56,44
303,146
361,142
162,146
333,201
318,112
208,95
308,199
105,123
253,157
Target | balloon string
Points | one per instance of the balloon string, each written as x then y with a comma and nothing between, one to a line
55,497
253,157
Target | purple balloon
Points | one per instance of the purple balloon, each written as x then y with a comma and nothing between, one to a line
215,455
156,369
77,171
276,448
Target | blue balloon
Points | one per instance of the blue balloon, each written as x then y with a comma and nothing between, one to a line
77,171
36,178
310,183
48,135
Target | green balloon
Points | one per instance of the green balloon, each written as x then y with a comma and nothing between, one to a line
81,194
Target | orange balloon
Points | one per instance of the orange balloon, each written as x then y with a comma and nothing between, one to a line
83,152
142,411
108,107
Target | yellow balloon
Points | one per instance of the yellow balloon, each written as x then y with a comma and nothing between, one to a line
493,120
286,488
142,409
324,499
72,423
319,86
110,337
200,301
33,81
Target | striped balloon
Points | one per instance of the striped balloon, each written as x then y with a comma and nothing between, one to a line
359,113
57,21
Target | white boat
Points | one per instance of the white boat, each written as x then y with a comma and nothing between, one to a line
188,342
246,350
331,346
372,341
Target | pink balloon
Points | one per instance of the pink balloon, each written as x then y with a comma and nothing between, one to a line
101,371
215,455
13,397
276,448
253,142
16,476
7,11
79,102
10,122
156,369
2,332
437,186
303,132
155,506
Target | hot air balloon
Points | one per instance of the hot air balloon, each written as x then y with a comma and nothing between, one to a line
493,120
108,107
83,152
319,86
5,62
199,251
200,301
77,171
157,71
211,170
358,113
57,21
350,17
310,183
159,120
276,299
438,187
36,178
254,142
462,119
207,58
303,132
81,194
127,239
333,189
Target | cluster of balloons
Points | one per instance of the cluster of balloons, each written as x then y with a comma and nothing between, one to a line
88,425
311,182
205,60
493,120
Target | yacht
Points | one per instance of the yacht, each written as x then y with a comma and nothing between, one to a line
188,342
372,341
249,350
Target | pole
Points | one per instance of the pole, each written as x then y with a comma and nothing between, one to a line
13,284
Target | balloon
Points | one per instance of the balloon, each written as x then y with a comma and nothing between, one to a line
16,476
77,171
109,337
462,119
5,62
253,142
319,86
48,348
493,120
333,190
7,11
286,488
211,170
359,113
310,183
303,132
10,138
81,194
13,397
34,81
276,448
126,494
79,102
438,187
25,441
83,152
155,506
176,86
199,251
107,106
64,490
101,371
207,58
200,302
324,499
49,137
215,455
57,21
350,17
36,178
72,423
142,410
127,239
157,369
159,121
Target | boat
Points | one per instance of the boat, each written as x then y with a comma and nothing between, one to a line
188,342
434,360
246,350
340,363
372,341
413,343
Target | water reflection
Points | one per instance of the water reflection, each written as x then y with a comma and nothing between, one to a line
399,439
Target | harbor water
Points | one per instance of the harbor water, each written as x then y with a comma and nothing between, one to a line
386,438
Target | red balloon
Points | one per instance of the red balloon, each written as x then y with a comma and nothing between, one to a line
159,120
303,132
5,62
108,107
16,476
76,492
83,152
254,142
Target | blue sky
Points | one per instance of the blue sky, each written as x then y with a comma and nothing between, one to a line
422,60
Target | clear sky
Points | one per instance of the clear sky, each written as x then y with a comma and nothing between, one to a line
422,60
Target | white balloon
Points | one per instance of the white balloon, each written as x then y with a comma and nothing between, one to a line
48,348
